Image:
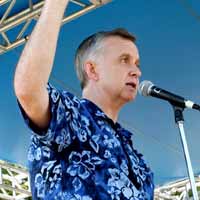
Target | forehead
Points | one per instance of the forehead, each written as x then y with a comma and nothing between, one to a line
118,46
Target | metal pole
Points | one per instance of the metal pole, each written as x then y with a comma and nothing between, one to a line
188,161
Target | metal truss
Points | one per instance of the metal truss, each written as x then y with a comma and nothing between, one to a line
15,185
23,19
178,190
14,182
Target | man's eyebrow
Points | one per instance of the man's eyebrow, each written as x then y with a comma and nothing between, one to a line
128,55
125,54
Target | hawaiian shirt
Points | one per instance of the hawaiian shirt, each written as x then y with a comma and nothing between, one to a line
84,155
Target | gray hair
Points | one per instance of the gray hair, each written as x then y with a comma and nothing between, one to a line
90,49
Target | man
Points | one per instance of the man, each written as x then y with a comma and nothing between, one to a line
78,149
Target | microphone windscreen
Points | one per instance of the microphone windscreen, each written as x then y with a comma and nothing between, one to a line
144,88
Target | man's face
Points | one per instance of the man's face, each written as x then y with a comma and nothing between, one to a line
119,69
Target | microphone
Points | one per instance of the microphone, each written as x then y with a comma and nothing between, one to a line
147,88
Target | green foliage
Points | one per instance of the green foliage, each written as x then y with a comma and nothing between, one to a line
190,191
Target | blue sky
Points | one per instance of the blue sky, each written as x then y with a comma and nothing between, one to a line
168,36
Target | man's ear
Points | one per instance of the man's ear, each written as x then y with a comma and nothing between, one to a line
91,70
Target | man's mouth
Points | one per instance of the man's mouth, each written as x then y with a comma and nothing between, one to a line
133,85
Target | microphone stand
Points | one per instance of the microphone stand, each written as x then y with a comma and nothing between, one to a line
178,113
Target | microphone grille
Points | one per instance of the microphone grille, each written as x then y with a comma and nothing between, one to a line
144,88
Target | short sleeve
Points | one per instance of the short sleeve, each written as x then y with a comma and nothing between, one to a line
64,119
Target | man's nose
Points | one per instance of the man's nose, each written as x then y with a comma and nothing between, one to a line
135,71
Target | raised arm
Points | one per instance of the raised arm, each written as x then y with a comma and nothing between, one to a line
35,64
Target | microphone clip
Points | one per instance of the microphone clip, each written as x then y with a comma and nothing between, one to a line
178,113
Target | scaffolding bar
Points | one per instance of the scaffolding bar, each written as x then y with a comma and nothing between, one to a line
25,17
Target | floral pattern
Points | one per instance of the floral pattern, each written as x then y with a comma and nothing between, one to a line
84,155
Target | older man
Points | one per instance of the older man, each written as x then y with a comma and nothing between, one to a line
78,150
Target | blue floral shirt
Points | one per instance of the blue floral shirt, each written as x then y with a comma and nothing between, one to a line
84,155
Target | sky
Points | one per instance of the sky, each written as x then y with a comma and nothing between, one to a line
168,38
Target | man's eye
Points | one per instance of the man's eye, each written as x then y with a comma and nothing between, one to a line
124,60
138,65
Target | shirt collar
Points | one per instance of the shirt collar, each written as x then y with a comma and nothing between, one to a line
93,109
